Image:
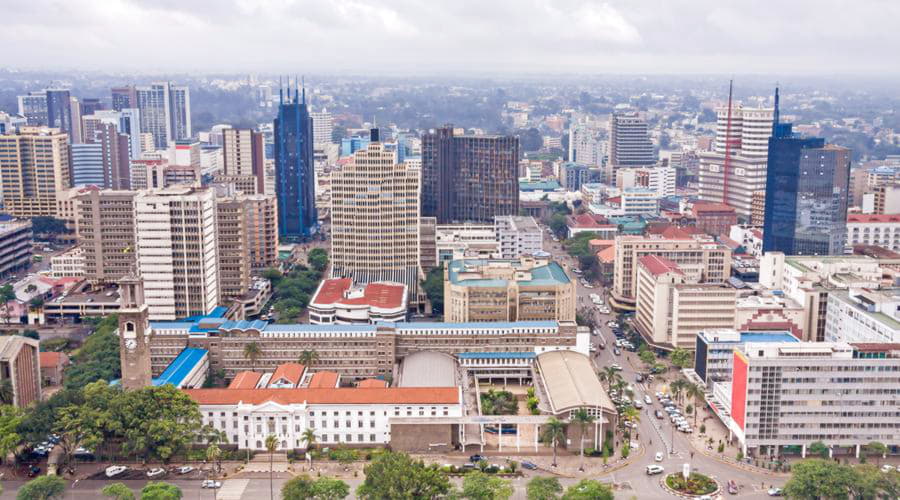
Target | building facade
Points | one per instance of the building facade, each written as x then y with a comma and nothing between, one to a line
35,166
16,240
294,171
518,236
861,315
247,240
338,301
105,230
629,144
874,229
20,365
243,159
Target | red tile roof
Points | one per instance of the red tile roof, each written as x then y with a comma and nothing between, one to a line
323,380
607,255
371,382
52,359
383,295
658,265
292,372
712,207
344,395
587,220
873,218
245,380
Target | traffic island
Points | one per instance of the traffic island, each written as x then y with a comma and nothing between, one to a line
696,485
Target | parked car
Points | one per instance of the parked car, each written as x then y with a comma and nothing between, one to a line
654,469
209,483
616,351
659,414
887,468
659,456
638,404
615,366
156,472
476,458
775,492
529,465
115,470
33,471
185,470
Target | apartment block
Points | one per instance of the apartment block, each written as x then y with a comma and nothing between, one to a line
698,256
16,239
795,394
527,289
863,315
247,235
35,166
660,180
874,229
518,236
106,228
175,236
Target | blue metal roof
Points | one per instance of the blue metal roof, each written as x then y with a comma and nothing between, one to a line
178,369
482,324
244,325
496,355
217,312
172,325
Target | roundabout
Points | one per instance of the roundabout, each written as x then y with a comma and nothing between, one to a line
696,485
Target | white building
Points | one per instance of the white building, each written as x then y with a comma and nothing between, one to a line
749,133
794,394
175,235
69,264
860,315
337,301
874,229
749,237
456,241
518,236
630,201
323,124
658,179
339,416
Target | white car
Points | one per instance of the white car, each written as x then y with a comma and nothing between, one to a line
654,469
887,468
637,404
156,472
615,366
659,456
209,483
186,469
647,400
115,470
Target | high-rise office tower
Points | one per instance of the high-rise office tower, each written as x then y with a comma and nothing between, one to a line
175,236
113,170
127,122
629,144
469,178
323,124
179,113
123,97
247,240
75,135
243,159
59,110
375,219
33,107
34,166
583,147
806,194
87,164
90,105
105,230
294,169
153,103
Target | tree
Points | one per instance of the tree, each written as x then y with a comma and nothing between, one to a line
558,225
156,422
252,352
480,486
543,488
583,419
819,448
11,418
271,446
397,476
81,426
7,395
647,357
695,392
588,489
7,295
117,491
681,358
820,478
309,437
434,288
308,357
872,483
610,375
554,432
159,490
42,488
318,259
877,449
98,358
677,388
325,488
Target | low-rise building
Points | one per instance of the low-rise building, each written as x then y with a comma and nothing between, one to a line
69,264
714,352
52,366
861,315
629,201
527,289
20,365
714,218
768,311
338,301
588,223
874,229
750,238
795,394
518,236
457,241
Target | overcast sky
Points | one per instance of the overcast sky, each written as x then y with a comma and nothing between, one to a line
437,36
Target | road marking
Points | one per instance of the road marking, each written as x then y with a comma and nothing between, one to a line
232,489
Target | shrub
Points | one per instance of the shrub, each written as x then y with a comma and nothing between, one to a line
696,484
702,428
722,448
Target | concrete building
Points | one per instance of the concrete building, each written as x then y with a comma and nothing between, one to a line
457,241
247,240
20,365
875,229
35,166
52,366
660,180
862,315
338,301
795,394
591,223
584,149
518,236
714,352
629,144
573,175
105,229
714,218
886,199
16,240
375,220
177,254
243,160
769,310
69,264
700,257
528,289
631,201
323,124
809,280
749,237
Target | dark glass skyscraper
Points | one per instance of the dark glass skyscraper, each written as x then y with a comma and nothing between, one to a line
806,194
294,173
469,178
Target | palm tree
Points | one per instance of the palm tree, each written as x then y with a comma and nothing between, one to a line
271,446
610,375
694,392
583,419
677,387
554,431
309,437
213,455
308,358
252,351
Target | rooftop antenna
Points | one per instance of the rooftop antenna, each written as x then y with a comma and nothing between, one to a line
280,91
303,86
776,116
727,163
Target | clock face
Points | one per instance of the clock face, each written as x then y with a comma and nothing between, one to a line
130,344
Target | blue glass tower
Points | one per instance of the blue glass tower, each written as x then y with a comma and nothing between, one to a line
806,193
294,170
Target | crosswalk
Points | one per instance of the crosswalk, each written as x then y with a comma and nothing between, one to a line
232,489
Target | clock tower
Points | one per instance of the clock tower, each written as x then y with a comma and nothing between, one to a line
134,334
